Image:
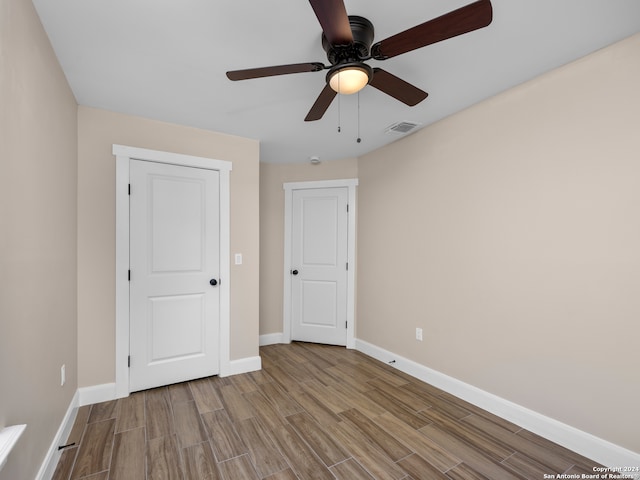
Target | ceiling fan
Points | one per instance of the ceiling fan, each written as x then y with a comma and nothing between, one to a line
347,40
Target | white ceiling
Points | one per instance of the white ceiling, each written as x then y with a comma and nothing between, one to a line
166,60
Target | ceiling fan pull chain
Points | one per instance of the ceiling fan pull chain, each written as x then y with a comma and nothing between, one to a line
339,112
359,139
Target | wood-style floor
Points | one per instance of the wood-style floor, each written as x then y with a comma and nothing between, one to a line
313,412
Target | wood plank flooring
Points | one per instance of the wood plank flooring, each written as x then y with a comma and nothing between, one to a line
313,412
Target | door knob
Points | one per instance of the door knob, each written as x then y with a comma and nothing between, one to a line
294,272
213,282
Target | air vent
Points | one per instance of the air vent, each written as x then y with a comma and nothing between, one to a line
401,128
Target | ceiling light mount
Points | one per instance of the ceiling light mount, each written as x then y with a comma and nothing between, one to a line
358,50
349,74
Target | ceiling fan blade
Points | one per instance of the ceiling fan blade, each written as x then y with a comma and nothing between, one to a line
273,71
322,103
334,20
463,20
396,87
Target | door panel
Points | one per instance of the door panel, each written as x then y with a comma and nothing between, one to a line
177,236
319,255
174,317
166,342
319,303
319,230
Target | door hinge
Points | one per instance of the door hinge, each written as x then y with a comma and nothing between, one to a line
129,361
347,265
346,324
347,208
129,190
129,275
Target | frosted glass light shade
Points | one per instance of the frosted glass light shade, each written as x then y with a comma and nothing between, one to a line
349,80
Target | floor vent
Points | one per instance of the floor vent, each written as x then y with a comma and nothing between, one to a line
401,128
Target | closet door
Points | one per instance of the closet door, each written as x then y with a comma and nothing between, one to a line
175,265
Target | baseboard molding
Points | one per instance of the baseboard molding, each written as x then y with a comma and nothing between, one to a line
50,462
271,339
97,394
103,393
244,365
581,442
107,391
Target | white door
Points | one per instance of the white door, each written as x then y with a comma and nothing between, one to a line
174,261
319,265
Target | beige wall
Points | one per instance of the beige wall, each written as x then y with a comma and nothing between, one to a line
37,237
510,233
272,176
98,130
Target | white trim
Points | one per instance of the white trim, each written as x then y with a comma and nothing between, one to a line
171,158
124,155
243,365
122,283
271,339
351,273
98,394
351,184
225,272
108,391
89,396
346,182
581,442
50,461
9,436
286,297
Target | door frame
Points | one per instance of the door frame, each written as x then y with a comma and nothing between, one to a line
289,188
124,155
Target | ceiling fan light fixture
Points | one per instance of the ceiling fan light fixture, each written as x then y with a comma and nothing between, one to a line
349,78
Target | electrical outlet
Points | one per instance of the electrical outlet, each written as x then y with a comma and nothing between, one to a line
419,334
238,258
63,375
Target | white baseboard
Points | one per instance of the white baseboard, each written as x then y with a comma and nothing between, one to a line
103,393
581,442
97,394
271,339
244,365
107,391
50,462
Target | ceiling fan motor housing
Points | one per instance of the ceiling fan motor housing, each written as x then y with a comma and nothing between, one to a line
363,33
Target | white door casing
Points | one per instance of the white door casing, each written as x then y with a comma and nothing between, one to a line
319,244
174,260
124,155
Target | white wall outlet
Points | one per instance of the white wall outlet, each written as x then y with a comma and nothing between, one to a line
419,334
238,258
63,375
